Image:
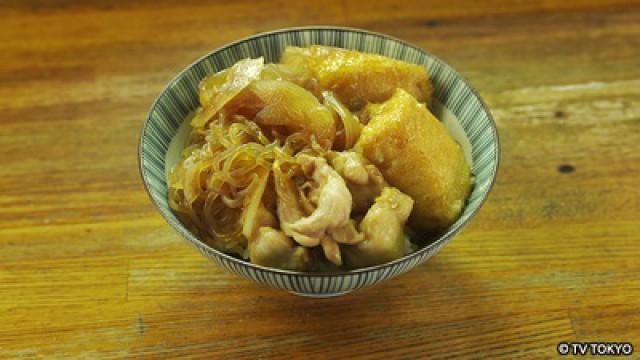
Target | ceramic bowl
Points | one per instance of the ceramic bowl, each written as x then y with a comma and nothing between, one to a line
469,119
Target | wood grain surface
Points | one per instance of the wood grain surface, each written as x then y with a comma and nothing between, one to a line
88,269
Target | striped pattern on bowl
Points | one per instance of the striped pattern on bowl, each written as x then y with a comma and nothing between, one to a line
180,97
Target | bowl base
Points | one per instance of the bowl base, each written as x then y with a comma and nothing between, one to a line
321,296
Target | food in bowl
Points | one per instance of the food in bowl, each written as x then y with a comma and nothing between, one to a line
327,160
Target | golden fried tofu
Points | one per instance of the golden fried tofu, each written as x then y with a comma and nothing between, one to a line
358,78
416,154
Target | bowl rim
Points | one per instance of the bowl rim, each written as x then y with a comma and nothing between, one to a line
440,241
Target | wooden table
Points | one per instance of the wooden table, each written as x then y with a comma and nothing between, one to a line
89,269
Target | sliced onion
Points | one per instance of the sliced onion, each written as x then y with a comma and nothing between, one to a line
351,125
238,78
252,203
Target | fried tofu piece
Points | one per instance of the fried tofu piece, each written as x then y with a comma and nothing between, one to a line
416,154
358,78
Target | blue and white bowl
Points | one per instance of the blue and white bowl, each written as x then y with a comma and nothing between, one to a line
474,121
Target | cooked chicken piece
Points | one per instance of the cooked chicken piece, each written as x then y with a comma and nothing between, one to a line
264,217
268,246
364,180
333,203
383,229
351,166
358,78
289,208
347,234
308,195
273,248
314,196
416,154
331,250
289,105
364,195
321,227
329,221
